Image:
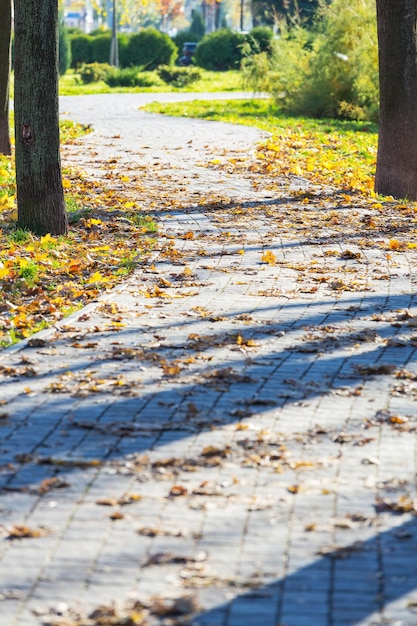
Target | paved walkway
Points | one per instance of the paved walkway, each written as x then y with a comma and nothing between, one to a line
243,447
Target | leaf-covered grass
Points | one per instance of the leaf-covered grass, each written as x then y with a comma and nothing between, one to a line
333,152
70,84
43,279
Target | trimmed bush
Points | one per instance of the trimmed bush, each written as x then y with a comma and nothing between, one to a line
179,76
149,48
81,50
87,49
93,72
123,40
101,48
221,50
64,59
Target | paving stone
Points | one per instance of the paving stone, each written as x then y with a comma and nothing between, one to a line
258,469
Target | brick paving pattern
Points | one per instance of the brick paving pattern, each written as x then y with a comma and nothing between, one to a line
223,443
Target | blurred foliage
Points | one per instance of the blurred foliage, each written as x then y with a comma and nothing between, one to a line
329,70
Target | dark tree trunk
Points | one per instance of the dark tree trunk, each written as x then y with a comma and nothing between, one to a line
5,30
40,197
396,171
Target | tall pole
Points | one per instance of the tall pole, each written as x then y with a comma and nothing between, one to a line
114,46
241,14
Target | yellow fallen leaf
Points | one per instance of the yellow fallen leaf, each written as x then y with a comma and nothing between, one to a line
6,202
47,239
269,257
98,277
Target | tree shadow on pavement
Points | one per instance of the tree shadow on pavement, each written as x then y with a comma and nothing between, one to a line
367,582
172,438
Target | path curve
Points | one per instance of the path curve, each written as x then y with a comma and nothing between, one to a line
233,430
125,132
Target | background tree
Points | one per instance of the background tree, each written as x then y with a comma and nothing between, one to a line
40,197
5,30
197,27
396,171
268,11
136,13
168,10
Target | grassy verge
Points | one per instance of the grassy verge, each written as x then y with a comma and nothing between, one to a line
70,84
43,279
328,151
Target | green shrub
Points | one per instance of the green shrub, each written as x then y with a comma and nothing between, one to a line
257,71
328,71
221,50
81,50
149,48
179,76
101,30
123,40
72,31
129,77
86,49
93,72
64,59
101,48
260,39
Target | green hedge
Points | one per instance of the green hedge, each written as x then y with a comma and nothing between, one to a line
64,59
148,49
221,50
81,50
100,48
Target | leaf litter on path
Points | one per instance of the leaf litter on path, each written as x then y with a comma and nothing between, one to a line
320,220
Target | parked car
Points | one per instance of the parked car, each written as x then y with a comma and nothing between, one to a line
187,53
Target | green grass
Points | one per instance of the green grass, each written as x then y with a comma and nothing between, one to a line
70,85
261,113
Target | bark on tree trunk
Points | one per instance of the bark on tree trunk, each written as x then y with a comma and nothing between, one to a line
5,30
40,197
396,170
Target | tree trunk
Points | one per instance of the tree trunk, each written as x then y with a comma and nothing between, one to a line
396,170
5,30
40,197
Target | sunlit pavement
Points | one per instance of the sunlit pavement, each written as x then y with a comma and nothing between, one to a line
227,437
